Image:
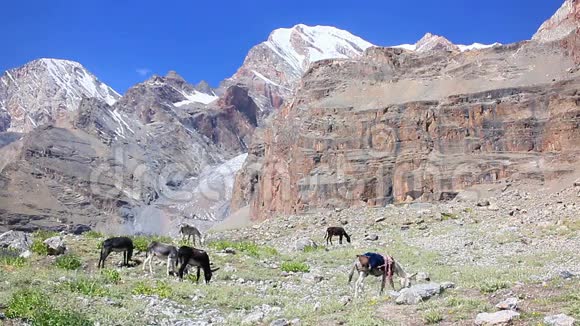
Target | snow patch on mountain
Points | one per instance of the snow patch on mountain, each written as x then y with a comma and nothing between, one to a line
301,45
196,97
74,78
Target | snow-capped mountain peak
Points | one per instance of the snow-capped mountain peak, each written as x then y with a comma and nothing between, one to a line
43,89
431,42
272,69
301,45
72,75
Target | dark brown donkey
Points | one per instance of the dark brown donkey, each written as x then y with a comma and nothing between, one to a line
336,231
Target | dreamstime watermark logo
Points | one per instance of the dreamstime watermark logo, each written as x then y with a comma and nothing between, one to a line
173,183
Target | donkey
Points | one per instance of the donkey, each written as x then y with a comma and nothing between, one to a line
378,265
190,231
162,251
338,231
116,244
195,257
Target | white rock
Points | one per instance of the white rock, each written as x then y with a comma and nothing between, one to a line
302,243
16,240
56,246
508,304
559,320
317,306
254,318
418,293
497,318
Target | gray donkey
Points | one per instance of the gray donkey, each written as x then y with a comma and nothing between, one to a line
162,251
191,231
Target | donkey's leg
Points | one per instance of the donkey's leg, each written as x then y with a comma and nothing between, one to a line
383,279
104,254
351,272
340,239
146,261
198,274
359,285
169,262
392,283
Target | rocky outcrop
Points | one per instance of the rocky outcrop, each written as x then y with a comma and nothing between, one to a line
4,120
564,22
45,90
229,122
400,125
104,165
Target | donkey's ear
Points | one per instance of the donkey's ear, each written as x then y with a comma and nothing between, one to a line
412,276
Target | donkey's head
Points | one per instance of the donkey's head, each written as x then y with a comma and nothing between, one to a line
208,273
405,280
363,263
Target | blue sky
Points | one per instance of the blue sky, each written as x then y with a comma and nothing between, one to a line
124,41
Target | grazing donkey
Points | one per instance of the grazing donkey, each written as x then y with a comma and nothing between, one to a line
378,265
190,231
338,231
162,251
195,257
116,244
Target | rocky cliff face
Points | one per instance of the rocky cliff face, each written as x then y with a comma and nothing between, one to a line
272,69
134,161
399,125
45,90
565,21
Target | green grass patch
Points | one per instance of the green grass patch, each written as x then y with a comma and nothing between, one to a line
87,286
38,246
35,307
93,235
160,289
289,266
449,216
11,258
492,286
110,276
69,262
249,248
431,317
309,249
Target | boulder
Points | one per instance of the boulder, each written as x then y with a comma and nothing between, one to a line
16,240
78,229
422,276
55,245
559,320
508,304
483,203
254,318
280,322
503,317
372,237
566,275
345,300
418,293
302,243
